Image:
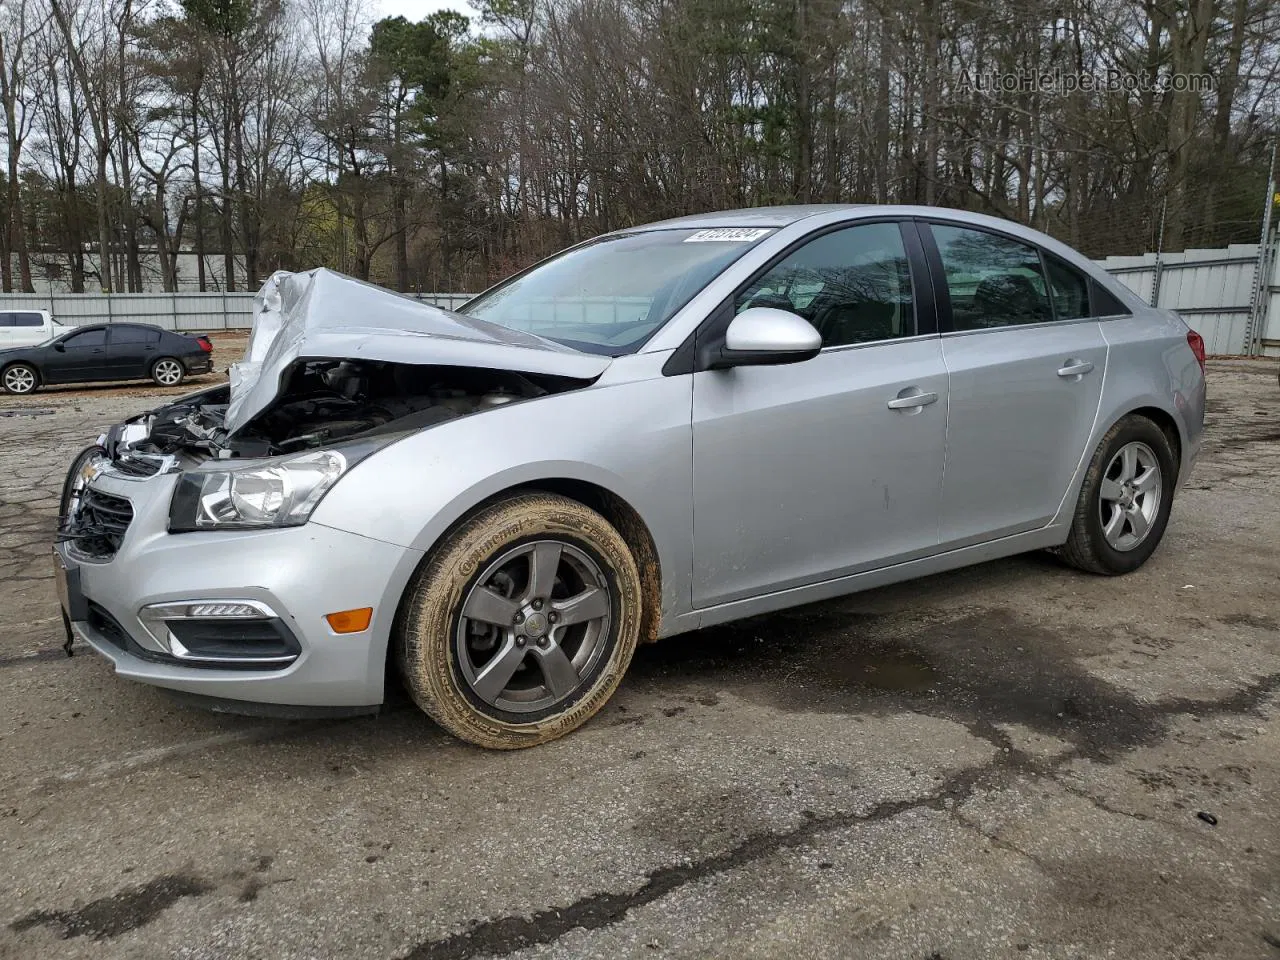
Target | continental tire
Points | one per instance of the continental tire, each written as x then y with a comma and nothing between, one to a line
520,625
1124,501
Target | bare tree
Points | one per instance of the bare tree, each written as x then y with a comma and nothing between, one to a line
20,23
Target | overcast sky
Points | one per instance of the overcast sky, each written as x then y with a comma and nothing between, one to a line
415,10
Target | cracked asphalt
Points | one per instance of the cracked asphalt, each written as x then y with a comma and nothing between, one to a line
1006,761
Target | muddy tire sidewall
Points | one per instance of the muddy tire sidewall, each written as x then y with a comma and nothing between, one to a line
430,613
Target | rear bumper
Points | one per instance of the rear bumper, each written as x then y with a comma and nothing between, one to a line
202,364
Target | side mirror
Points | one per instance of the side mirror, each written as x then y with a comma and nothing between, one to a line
763,335
60,347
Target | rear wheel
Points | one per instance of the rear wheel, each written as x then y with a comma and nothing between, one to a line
521,624
1124,501
168,372
19,378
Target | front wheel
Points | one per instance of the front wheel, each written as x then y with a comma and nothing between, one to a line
19,378
1124,501
168,372
520,625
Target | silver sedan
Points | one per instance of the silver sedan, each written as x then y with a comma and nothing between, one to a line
663,428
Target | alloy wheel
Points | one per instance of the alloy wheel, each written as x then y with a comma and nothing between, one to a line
533,625
1130,495
168,372
19,379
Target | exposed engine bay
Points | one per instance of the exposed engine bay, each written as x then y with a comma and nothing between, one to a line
325,401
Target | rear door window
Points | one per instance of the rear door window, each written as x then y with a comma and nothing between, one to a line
993,280
1069,289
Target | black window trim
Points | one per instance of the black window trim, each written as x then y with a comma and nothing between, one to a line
689,357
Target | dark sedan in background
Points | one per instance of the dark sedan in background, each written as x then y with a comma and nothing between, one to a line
118,351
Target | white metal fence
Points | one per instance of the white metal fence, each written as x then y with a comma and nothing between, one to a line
173,311
1214,290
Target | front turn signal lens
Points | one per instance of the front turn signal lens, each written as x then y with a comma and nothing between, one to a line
350,621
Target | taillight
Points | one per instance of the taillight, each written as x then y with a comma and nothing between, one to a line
207,347
1196,343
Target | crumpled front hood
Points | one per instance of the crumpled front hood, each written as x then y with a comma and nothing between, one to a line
320,314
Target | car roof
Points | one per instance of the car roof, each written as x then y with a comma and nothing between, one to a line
784,216
752,216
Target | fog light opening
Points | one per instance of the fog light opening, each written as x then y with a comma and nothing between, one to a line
350,621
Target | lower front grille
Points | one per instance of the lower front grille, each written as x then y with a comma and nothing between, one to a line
109,627
100,523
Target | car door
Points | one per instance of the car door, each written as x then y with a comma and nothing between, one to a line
8,323
1025,367
131,349
809,471
79,357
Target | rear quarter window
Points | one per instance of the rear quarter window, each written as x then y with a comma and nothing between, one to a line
1104,303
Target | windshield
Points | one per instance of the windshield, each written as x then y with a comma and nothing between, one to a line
611,295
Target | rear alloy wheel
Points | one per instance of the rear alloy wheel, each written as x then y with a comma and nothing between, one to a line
19,378
1124,501
521,624
168,372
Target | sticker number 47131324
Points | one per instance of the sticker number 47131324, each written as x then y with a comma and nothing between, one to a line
727,235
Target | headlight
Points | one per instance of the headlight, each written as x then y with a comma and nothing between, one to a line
271,493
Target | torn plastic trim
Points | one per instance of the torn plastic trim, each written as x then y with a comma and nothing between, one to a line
324,315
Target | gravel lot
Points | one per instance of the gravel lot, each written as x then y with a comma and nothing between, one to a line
1007,761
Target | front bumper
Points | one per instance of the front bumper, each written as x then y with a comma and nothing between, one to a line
300,573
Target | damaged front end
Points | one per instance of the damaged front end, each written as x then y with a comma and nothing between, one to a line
332,359
335,370
322,402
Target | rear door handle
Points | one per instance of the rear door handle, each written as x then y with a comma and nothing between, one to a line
1075,368
911,398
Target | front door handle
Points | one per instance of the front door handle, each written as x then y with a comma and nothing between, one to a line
1075,368
911,398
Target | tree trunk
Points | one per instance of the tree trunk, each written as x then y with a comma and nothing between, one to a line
199,188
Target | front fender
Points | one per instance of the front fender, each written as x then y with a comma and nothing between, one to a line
632,438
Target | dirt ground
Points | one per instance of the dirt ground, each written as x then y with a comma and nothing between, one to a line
1014,760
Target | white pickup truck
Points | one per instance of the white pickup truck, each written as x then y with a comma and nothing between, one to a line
26,328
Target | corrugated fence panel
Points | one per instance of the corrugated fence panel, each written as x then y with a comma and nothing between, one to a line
223,311
1223,333
1139,281
172,311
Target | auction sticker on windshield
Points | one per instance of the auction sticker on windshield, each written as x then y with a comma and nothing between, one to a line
727,235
